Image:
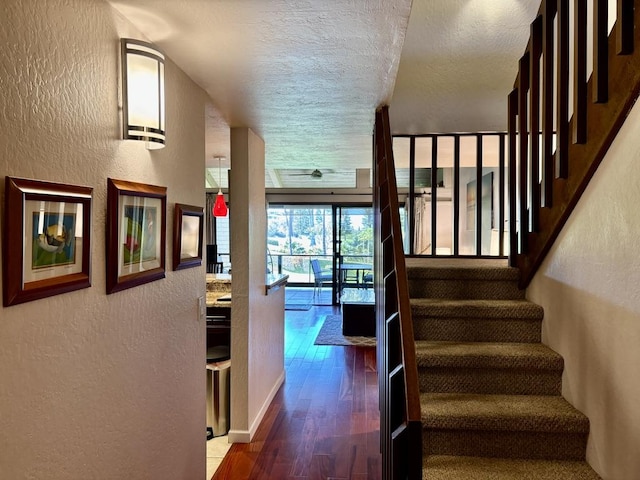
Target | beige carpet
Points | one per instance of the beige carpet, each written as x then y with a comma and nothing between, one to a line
490,390
331,334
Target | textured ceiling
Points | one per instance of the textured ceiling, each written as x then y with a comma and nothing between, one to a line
458,64
307,75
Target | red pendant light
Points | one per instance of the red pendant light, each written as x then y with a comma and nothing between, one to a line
220,208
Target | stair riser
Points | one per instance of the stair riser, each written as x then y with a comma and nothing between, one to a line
477,330
465,289
507,444
490,381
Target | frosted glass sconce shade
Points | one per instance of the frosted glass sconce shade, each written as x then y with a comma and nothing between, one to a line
143,93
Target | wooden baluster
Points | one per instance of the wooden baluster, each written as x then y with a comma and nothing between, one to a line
548,59
412,197
580,72
512,126
534,120
562,94
456,194
600,76
523,131
478,206
501,195
434,193
624,32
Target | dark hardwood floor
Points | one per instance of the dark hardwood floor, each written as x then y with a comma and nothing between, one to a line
324,422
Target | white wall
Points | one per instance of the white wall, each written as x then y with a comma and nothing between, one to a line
589,286
257,336
95,385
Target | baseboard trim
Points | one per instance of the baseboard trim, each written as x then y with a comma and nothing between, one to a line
245,436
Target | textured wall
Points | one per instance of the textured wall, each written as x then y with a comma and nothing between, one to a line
589,287
257,337
95,385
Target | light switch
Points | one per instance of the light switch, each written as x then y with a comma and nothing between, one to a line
202,309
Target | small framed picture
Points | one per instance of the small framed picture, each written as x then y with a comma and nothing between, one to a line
47,239
187,236
136,240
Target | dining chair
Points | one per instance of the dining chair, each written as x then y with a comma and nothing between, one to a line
319,276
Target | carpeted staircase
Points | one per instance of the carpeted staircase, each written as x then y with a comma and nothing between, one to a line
490,390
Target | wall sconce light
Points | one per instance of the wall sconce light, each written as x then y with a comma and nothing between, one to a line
143,93
220,208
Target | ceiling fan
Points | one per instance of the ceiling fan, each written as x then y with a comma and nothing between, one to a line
314,174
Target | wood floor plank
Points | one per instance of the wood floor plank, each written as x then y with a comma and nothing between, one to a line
324,421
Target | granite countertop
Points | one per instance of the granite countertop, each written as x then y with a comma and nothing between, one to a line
217,279
212,299
218,285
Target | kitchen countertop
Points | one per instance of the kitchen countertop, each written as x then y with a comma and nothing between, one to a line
274,282
218,285
214,279
212,299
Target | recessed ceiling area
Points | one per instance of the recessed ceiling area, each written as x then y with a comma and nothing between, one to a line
307,75
291,178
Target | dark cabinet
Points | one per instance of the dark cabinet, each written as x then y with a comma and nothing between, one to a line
218,327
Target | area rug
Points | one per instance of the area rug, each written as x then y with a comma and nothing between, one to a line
331,334
297,306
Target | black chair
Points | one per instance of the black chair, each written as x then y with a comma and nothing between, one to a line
319,276
213,265
218,267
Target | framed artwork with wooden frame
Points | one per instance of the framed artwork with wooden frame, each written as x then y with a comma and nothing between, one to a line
136,240
187,236
47,239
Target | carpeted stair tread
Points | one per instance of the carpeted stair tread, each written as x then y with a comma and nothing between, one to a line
459,279
533,413
519,330
456,269
487,355
447,467
433,307
490,390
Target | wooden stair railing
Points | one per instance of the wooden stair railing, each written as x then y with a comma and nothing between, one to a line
400,423
545,185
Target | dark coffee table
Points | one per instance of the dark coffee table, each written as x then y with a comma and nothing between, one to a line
359,315
359,319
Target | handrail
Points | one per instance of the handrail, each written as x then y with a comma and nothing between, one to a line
400,421
546,196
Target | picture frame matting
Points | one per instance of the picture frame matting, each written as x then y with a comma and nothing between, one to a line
136,234
47,239
187,236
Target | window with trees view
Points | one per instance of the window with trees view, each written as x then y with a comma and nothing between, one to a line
297,234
